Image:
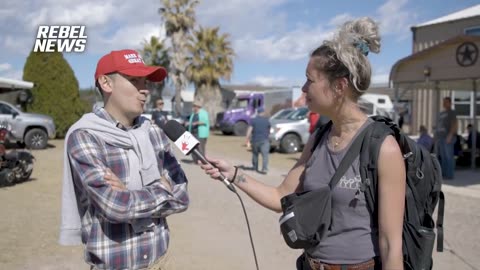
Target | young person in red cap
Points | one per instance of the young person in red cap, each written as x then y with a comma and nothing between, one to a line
121,178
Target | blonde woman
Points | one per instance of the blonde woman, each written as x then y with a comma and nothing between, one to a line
337,74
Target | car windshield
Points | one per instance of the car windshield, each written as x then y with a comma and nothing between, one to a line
282,114
298,114
238,103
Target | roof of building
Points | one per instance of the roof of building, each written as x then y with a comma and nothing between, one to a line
462,14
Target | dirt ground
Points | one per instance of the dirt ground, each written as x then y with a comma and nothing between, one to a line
211,234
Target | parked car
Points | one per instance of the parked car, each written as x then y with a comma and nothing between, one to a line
31,129
283,113
290,134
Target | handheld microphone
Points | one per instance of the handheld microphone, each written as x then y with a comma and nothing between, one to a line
187,143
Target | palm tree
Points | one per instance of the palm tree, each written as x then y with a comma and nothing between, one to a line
155,53
179,18
211,59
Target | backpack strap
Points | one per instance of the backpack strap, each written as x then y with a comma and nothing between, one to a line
319,133
440,215
348,159
377,132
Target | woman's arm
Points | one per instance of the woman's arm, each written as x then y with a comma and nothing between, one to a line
265,195
391,203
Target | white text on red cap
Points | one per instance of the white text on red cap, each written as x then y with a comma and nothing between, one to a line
133,58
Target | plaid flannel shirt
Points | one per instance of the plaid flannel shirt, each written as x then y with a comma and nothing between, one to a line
106,214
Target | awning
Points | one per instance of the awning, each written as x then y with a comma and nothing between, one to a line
15,84
456,59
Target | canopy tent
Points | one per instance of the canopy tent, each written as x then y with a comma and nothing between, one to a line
450,65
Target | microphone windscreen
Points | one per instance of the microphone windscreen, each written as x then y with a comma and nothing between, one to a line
173,130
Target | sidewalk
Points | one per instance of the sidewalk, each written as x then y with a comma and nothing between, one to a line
466,183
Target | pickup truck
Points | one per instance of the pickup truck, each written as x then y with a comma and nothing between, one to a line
30,129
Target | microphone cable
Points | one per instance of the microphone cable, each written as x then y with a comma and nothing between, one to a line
234,190
174,132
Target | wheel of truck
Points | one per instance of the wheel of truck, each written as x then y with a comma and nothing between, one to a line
240,128
36,139
290,143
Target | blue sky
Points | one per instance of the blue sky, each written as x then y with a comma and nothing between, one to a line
271,38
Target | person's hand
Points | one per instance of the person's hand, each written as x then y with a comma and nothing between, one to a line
114,181
216,167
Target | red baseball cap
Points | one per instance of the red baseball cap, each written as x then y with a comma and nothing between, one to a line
128,62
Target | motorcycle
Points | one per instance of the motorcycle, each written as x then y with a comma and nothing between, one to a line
15,166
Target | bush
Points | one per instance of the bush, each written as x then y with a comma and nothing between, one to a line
56,90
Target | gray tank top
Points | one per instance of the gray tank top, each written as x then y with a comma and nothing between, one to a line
352,238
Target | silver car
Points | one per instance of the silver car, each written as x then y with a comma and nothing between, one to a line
282,114
31,129
290,134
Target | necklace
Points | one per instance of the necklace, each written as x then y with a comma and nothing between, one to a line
335,144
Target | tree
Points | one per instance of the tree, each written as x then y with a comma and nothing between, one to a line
56,91
155,53
211,59
179,18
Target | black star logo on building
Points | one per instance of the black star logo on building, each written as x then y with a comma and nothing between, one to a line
467,54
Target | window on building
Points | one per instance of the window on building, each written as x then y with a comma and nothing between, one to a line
478,105
473,31
463,105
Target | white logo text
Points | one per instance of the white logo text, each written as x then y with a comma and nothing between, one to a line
64,38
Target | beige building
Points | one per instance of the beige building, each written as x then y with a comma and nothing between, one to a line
444,62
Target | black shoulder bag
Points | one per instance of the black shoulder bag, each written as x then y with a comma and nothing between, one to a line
307,215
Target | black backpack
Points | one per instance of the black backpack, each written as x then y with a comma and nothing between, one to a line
423,191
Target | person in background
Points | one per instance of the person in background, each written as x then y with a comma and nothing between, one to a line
121,178
159,117
401,119
258,135
425,139
445,138
470,137
337,74
312,119
199,125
